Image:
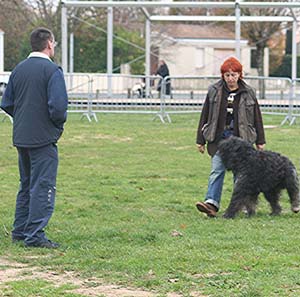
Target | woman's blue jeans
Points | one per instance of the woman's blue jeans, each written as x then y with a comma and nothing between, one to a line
215,181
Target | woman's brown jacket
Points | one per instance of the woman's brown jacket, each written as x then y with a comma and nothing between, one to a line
250,125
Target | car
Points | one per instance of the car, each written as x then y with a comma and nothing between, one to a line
3,83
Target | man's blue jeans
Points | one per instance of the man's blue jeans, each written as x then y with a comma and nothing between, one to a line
215,181
36,197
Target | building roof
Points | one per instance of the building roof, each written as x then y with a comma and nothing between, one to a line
181,30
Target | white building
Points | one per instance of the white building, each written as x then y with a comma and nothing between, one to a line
200,49
1,51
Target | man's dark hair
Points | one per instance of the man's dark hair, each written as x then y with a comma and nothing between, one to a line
39,38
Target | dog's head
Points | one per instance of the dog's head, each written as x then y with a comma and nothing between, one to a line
234,151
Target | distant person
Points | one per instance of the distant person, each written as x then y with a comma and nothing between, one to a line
36,98
230,108
163,71
140,88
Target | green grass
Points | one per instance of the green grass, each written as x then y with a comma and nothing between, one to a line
124,185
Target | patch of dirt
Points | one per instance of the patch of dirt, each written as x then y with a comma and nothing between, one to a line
210,275
93,287
183,148
80,138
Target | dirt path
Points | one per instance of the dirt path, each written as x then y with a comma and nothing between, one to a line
13,271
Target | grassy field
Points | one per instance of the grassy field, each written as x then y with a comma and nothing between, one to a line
125,214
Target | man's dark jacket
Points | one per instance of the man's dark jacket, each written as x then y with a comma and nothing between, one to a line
36,98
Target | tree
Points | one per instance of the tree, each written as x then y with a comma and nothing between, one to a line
18,18
126,52
285,69
90,49
15,25
276,50
260,33
90,39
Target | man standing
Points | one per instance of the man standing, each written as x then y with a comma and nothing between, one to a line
163,71
36,98
230,108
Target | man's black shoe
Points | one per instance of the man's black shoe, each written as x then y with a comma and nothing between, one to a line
16,239
44,244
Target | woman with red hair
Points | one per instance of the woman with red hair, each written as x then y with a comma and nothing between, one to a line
230,108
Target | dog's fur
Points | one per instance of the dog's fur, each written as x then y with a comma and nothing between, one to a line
255,172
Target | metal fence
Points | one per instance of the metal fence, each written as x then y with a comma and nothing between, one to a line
125,94
90,94
274,95
295,101
80,94
3,82
188,94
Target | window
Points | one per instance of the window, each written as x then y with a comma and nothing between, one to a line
199,58
254,58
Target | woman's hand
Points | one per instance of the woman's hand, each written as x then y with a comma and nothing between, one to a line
260,147
201,148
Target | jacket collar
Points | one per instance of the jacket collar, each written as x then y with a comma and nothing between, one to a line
38,55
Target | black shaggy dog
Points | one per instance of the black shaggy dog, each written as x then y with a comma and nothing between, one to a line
255,172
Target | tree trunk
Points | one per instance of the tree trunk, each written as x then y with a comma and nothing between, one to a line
261,69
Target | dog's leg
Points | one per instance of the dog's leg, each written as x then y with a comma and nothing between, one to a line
294,199
247,203
232,210
292,186
236,204
273,199
251,203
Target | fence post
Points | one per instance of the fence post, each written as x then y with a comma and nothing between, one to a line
90,101
192,94
162,114
292,95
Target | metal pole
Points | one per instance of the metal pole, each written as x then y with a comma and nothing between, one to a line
294,51
148,56
71,58
219,18
294,72
1,51
238,29
64,39
182,4
71,53
109,62
149,4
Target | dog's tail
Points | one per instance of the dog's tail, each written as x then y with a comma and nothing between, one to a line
292,186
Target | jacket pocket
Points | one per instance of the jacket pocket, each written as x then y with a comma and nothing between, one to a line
207,133
251,134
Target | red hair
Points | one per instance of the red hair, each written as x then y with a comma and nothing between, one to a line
232,64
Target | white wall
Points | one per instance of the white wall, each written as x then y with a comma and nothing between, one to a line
182,59
1,51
